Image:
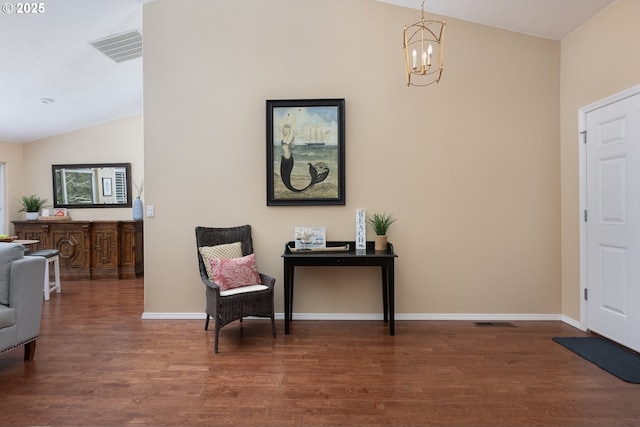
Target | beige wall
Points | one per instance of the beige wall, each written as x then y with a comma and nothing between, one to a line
117,141
470,167
11,155
598,60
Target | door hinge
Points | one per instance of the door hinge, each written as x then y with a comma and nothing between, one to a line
586,294
585,215
584,136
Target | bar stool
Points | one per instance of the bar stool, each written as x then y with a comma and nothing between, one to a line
52,256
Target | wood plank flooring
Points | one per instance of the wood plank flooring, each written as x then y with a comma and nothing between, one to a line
98,364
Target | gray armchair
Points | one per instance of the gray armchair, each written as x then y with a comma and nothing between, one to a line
227,306
20,299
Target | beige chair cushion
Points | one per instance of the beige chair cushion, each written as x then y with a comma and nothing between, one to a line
228,250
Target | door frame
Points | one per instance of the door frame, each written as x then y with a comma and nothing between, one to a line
582,174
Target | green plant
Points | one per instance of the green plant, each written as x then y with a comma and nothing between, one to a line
32,203
381,223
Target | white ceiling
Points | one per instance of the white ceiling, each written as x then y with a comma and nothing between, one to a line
48,55
549,19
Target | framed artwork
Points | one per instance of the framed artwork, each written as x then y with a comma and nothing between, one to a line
106,187
305,152
310,237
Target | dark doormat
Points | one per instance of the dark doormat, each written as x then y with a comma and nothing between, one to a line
623,363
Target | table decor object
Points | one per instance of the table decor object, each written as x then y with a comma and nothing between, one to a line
361,229
55,214
343,248
55,218
380,224
310,237
31,206
137,203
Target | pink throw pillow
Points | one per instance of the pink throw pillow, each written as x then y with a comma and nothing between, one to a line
229,273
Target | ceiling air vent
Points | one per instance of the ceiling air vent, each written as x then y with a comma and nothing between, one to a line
121,47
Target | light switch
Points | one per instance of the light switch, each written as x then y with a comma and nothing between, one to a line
150,212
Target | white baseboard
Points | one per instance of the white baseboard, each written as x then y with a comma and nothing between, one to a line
378,316
478,316
569,321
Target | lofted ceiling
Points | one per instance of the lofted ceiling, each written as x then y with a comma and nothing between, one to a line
53,80
48,56
549,19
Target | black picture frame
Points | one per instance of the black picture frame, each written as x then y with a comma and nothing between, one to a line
305,152
85,192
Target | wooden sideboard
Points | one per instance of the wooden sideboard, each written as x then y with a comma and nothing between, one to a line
90,250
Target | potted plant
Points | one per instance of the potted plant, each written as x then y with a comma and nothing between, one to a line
31,205
380,224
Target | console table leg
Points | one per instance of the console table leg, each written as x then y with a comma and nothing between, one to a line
288,294
385,293
391,290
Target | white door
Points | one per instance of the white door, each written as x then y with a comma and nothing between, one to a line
613,224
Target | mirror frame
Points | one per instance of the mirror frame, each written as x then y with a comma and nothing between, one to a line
126,166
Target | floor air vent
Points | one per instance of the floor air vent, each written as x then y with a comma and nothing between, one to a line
494,324
121,47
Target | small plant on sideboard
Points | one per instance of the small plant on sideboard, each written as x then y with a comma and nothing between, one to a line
31,205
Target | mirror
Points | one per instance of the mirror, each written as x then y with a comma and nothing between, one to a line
97,185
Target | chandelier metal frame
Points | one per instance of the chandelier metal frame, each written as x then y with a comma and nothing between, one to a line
424,37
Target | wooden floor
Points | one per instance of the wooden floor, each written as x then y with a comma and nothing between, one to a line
98,364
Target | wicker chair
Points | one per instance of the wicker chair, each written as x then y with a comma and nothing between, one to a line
227,306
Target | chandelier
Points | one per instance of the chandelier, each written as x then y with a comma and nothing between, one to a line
424,51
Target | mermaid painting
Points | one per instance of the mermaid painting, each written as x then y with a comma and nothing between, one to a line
306,161
318,171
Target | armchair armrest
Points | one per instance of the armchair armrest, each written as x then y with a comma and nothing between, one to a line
267,280
205,279
26,295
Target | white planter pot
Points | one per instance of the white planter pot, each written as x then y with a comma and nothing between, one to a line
31,216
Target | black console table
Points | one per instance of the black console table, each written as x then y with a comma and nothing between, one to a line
350,258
